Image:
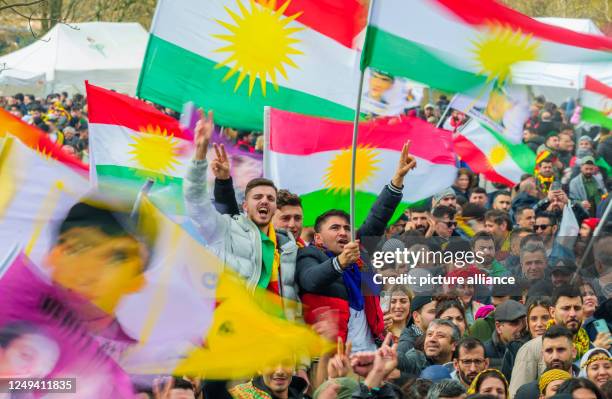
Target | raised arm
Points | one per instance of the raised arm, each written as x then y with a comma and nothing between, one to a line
225,196
200,208
381,212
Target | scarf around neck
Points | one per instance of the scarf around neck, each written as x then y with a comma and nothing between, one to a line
352,280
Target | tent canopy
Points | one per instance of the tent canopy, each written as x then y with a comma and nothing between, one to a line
105,53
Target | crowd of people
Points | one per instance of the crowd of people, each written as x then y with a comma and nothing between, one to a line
545,335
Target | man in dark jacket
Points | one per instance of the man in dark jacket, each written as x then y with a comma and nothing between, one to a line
334,272
509,326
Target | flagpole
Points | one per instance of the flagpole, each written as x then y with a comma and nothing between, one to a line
143,191
598,228
356,127
354,153
440,122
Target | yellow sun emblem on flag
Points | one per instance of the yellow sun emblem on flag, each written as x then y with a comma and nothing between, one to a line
501,47
338,176
497,155
259,43
155,150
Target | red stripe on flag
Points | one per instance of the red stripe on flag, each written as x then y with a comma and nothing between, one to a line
596,86
485,12
340,20
477,160
297,134
38,140
111,108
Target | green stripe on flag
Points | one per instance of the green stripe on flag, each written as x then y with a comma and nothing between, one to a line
595,117
317,202
172,76
401,57
125,183
521,153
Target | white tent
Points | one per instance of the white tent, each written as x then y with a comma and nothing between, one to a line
558,82
14,81
107,54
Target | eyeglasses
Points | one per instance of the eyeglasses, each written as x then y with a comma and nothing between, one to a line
541,226
469,362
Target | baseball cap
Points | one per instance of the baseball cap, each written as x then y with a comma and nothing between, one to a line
587,159
564,266
510,310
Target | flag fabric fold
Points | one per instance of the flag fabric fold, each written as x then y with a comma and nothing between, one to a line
311,157
596,101
237,56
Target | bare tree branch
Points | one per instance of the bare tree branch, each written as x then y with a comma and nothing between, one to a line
13,6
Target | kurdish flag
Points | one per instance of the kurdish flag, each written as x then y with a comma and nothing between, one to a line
488,152
131,141
237,56
596,103
457,45
37,140
311,157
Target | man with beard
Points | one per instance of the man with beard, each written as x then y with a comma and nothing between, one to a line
498,224
445,198
544,173
440,340
501,201
422,312
478,196
445,224
566,311
277,382
483,245
420,220
587,187
509,326
247,243
546,227
558,353
469,360
566,148
330,272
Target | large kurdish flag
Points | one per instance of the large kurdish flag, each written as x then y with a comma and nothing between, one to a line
131,141
489,153
237,56
456,45
597,103
312,157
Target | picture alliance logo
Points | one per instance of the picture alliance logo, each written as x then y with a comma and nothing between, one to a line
414,258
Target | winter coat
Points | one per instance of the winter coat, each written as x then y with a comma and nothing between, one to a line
322,285
237,240
577,191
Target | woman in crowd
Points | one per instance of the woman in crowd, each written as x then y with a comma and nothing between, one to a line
399,309
596,365
490,382
463,183
537,316
581,388
465,292
452,309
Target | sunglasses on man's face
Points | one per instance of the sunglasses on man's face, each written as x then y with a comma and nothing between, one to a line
448,224
541,226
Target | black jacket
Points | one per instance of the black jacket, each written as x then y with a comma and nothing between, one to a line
225,197
494,350
315,272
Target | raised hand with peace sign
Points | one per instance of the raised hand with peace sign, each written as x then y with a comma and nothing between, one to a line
220,165
406,163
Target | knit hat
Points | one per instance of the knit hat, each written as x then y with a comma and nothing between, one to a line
591,222
550,376
347,387
483,311
585,138
449,192
552,133
392,244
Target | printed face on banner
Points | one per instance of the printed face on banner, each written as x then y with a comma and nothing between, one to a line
385,95
26,352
